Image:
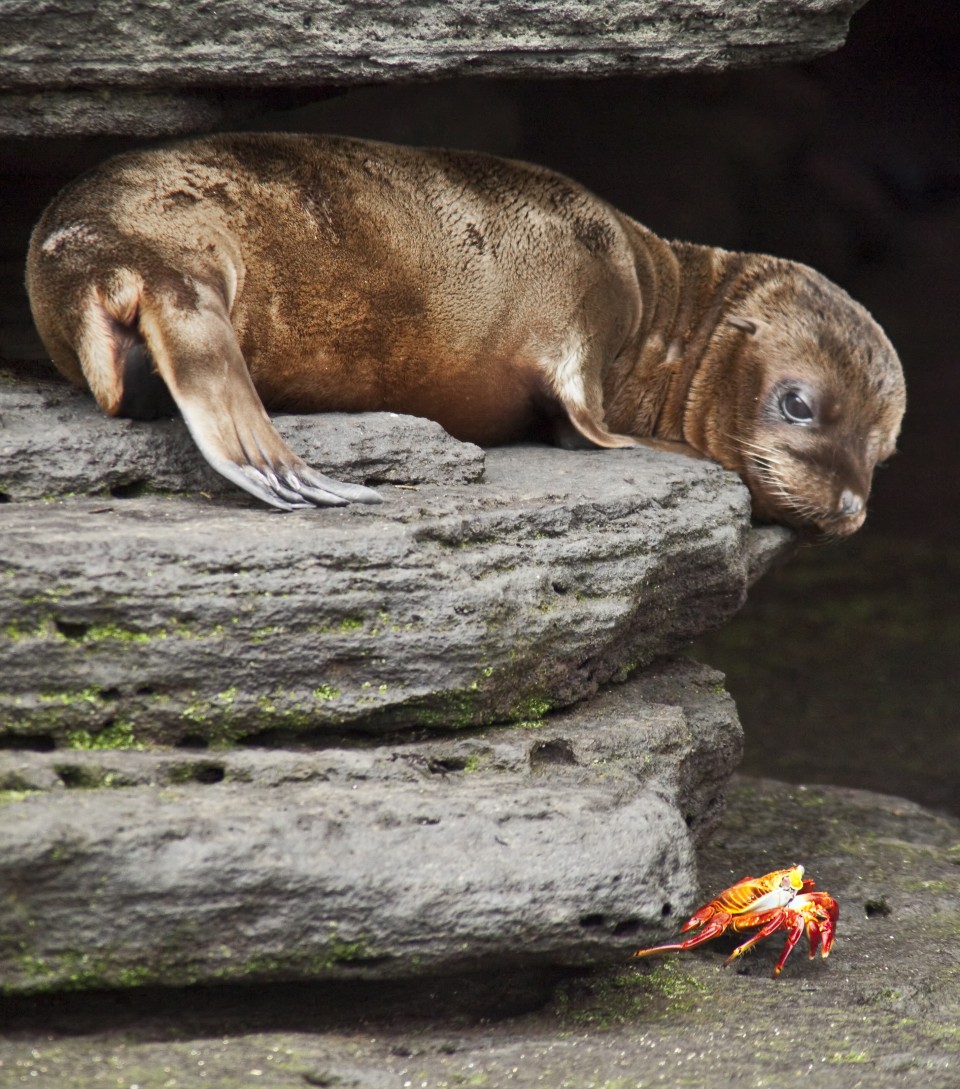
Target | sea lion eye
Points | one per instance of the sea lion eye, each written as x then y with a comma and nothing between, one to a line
795,409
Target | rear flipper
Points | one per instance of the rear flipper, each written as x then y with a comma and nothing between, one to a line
198,362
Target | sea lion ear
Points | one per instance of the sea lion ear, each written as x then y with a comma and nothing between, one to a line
746,324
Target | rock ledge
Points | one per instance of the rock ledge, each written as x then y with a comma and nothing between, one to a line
94,67
551,845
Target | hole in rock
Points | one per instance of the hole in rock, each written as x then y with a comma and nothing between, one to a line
205,772
877,908
28,742
591,921
4,498
192,741
450,763
626,927
129,489
77,777
71,630
667,909
556,752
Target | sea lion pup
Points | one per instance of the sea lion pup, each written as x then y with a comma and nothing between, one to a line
501,299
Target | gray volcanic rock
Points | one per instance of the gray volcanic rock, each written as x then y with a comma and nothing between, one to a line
881,1012
92,67
195,621
165,619
546,845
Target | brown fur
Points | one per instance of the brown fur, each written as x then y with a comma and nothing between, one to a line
319,273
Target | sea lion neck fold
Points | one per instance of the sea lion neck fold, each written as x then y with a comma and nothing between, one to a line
238,272
685,289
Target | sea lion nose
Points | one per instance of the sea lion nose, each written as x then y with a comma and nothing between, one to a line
850,503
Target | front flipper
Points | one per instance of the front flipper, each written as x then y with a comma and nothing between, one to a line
580,394
197,354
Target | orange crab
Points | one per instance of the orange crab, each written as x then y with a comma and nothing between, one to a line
781,900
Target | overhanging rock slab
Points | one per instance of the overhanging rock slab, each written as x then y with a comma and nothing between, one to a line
107,66
551,845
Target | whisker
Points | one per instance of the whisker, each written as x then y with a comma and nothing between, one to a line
770,466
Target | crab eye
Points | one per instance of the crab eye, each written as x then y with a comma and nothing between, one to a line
795,409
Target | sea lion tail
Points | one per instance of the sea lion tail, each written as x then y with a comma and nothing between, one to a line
114,358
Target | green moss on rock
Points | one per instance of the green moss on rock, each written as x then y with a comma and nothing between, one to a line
118,736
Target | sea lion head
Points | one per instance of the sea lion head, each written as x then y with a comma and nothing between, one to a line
819,400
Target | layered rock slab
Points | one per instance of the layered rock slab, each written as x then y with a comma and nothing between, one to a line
521,847
189,621
883,1010
204,620
159,620
102,67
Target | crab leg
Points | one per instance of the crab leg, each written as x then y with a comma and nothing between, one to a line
792,938
713,929
780,920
